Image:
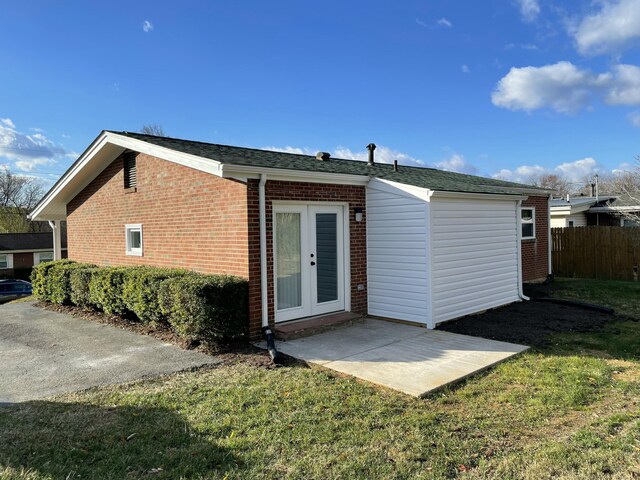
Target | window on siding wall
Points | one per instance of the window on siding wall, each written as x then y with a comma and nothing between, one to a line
528,216
40,257
130,170
6,260
627,222
133,234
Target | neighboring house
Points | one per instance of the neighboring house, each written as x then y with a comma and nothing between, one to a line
615,212
313,235
19,252
573,211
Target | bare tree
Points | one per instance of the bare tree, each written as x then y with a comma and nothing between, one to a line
18,196
559,184
153,129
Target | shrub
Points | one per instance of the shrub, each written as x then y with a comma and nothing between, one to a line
212,308
80,279
105,289
140,291
40,278
59,281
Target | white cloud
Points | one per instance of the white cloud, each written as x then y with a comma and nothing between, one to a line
625,86
147,26
624,168
615,27
562,87
529,9
7,122
296,150
422,23
456,163
382,155
634,118
573,171
443,22
465,68
27,152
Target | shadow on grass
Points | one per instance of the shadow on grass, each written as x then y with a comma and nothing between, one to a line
72,440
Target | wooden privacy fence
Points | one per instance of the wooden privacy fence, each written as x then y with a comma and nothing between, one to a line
605,253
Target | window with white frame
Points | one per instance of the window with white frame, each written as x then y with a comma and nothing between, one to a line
40,257
528,219
133,234
6,260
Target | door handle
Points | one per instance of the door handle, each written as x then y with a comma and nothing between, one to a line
313,263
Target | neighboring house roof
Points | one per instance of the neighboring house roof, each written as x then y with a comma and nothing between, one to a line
625,202
562,206
29,241
239,162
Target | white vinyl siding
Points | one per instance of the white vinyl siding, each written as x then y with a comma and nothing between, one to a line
397,263
578,219
475,256
559,222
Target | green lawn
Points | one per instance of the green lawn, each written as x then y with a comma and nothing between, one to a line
571,411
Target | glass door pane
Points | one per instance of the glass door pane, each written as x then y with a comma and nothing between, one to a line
327,257
288,258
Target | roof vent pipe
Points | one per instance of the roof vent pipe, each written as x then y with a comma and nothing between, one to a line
371,147
395,165
323,156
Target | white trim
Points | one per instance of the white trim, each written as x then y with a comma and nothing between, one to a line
519,247
533,221
29,250
507,197
262,214
431,322
244,172
9,260
129,250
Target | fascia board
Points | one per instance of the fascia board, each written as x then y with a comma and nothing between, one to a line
479,196
243,172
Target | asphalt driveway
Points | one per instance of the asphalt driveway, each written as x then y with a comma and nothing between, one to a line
44,353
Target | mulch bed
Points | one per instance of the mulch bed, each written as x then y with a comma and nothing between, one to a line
530,323
239,352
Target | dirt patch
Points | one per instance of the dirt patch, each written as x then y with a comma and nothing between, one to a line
239,352
530,323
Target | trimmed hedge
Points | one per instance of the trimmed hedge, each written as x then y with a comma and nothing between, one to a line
191,301
210,308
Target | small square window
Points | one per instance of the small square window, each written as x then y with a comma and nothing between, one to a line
528,220
133,237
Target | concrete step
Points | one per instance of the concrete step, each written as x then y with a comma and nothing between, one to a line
314,325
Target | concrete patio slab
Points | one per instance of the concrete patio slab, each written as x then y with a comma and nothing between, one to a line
410,359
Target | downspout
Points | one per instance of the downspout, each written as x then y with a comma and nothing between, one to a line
57,239
519,239
550,273
262,213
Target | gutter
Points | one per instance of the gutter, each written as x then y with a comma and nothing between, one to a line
262,213
550,272
519,237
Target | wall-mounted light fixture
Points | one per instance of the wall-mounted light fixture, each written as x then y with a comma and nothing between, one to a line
358,212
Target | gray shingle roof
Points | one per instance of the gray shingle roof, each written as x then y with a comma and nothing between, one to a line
430,178
29,241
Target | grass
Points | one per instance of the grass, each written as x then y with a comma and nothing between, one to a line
571,411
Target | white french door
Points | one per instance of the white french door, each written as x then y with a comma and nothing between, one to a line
308,247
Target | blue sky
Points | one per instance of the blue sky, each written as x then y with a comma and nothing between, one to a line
503,88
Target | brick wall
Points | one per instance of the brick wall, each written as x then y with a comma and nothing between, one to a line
535,253
190,219
303,192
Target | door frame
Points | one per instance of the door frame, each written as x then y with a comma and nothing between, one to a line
346,280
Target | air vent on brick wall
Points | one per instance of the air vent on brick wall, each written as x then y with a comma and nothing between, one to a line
130,173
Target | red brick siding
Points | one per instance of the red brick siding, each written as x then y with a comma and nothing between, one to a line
535,253
190,219
303,192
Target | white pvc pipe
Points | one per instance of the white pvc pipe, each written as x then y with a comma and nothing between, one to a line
57,239
519,236
263,249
